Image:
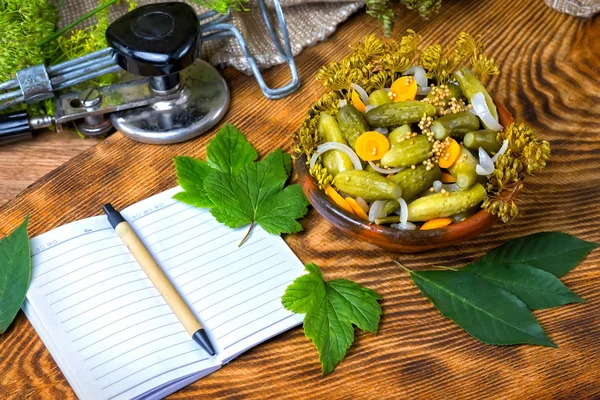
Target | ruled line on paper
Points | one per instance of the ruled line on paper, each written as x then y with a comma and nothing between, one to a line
106,302
142,357
246,312
136,348
127,327
251,322
85,266
69,239
97,294
152,365
133,337
241,280
245,300
163,218
111,311
204,254
156,376
260,330
224,266
188,239
233,273
74,248
152,341
147,235
83,256
199,246
97,272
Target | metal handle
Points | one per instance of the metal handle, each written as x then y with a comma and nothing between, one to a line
14,127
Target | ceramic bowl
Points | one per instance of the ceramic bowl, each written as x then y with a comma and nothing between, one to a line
394,239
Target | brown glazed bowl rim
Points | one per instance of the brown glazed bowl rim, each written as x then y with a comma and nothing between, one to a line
395,239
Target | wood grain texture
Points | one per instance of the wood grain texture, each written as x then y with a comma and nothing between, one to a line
550,78
23,163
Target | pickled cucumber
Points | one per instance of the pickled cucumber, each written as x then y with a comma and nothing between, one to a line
415,181
485,138
335,161
455,125
464,169
368,185
352,123
441,205
400,113
398,134
379,97
409,152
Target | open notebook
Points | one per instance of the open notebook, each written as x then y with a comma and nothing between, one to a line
108,328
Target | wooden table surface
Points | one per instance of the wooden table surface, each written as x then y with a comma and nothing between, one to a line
550,78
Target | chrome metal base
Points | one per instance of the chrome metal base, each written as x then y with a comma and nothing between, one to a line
201,104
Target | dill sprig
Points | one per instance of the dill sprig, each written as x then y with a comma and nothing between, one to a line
23,24
222,6
526,155
383,10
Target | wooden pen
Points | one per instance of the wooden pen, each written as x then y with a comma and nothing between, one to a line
185,315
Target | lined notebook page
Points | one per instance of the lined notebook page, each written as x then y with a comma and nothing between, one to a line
110,324
112,331
236,291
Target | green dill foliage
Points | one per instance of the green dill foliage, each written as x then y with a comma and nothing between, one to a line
23,24
383,10
440,62
526,155
222,6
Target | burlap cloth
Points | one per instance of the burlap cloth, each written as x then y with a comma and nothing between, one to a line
308,21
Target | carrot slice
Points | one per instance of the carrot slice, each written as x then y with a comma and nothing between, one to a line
337,199
403,89
357,102
450,155
447,178
436,223
371,146
357,208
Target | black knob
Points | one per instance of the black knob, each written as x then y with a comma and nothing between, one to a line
14,127
157,39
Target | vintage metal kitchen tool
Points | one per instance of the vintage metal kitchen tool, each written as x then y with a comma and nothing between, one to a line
165,94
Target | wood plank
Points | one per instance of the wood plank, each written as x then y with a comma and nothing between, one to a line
550,66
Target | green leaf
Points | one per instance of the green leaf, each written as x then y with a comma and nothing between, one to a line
191,173
535,287
229,151
15,273
331,309
255,195
555,252
486,312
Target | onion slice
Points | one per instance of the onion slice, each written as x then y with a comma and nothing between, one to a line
385,171
409,226
403,211
483,112
361,92
324,147
450,187
343,103
377,210
383,131
363,204
420,77
369,108
502,150
486,165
